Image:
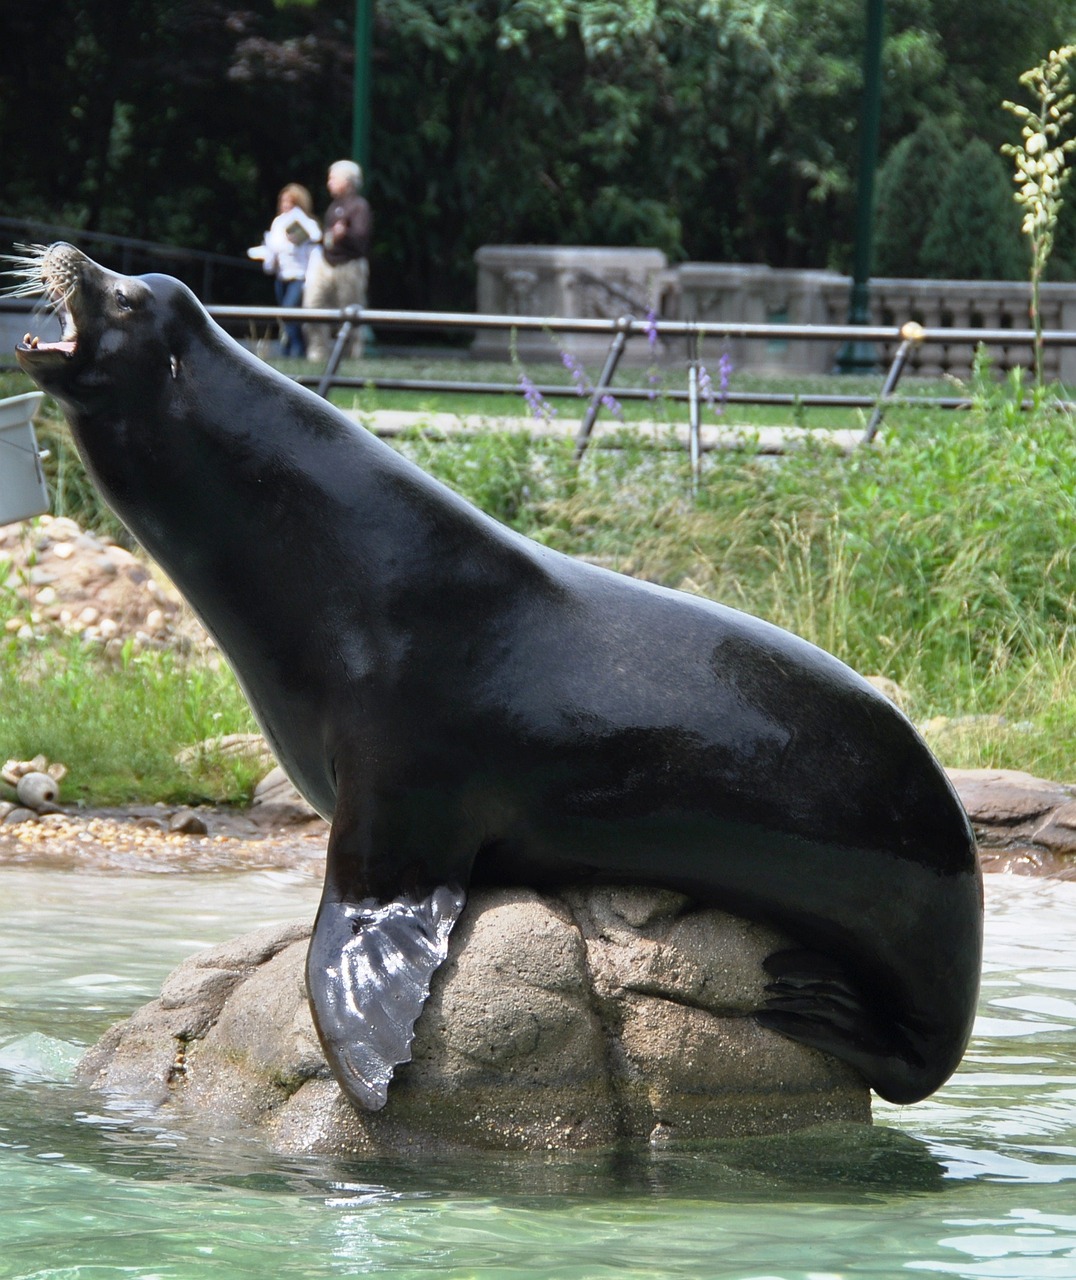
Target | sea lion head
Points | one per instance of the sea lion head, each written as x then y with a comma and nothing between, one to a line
123,337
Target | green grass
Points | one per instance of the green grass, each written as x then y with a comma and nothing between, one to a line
118,725
942,559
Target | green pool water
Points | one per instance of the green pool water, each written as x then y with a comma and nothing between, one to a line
980,1181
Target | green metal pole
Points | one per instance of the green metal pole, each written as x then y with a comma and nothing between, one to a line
859,357
360,119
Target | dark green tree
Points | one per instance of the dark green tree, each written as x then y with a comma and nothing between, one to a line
975,231
910,182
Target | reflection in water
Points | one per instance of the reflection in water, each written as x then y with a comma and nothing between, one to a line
976,1182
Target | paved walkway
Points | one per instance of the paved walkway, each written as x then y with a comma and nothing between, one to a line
769,440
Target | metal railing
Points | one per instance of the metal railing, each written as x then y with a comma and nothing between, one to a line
621,330
127,254
901,339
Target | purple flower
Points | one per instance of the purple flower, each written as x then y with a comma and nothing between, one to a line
716,399
613,405
536,402
584,387
652,330
725,372
579,375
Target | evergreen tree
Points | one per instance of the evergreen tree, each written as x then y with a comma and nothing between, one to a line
910,183
975,231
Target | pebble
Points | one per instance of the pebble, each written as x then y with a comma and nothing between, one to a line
69,581
18,815
187,823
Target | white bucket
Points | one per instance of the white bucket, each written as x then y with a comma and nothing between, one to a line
22,483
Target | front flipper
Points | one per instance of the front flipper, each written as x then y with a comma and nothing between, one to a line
368,974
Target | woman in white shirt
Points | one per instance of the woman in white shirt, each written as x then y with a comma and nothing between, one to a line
285,254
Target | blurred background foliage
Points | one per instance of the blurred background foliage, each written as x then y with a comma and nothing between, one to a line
714,129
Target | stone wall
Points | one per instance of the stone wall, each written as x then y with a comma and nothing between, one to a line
582,283
574,282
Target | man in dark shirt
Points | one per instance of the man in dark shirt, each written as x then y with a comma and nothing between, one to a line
338,275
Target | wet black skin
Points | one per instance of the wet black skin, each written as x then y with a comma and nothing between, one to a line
468,706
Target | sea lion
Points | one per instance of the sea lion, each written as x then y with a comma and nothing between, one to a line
467,705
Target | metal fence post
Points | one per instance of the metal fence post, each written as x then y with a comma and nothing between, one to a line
911,335
612,359
351,317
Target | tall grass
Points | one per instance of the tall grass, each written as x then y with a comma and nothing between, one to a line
118,725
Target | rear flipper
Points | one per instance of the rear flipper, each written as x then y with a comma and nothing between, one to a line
812,1001
368,974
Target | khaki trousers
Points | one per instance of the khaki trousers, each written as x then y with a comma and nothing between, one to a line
342,286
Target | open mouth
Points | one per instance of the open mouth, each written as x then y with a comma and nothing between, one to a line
50,272
68,342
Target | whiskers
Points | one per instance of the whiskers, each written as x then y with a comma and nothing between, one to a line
46,273
28,270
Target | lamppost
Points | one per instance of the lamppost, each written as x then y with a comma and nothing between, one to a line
859,357
360,117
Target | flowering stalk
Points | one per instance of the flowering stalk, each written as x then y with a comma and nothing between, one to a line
537,403
1040,168
653,377
652,332
612,405
579,374
584,387
716,399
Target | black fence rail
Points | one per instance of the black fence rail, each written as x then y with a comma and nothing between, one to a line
199,269
896,342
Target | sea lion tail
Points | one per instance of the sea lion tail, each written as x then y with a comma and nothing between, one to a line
368,974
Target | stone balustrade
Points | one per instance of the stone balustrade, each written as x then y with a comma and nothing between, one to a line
585,283
574,282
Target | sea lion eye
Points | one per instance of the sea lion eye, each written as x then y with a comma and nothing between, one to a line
122,300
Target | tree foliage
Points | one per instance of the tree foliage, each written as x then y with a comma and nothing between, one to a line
910,184
974,233
714,129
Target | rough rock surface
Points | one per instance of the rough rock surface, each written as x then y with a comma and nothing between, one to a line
582,1020
1022,823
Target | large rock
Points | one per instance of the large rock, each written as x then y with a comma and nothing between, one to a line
1022,823
582,1020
